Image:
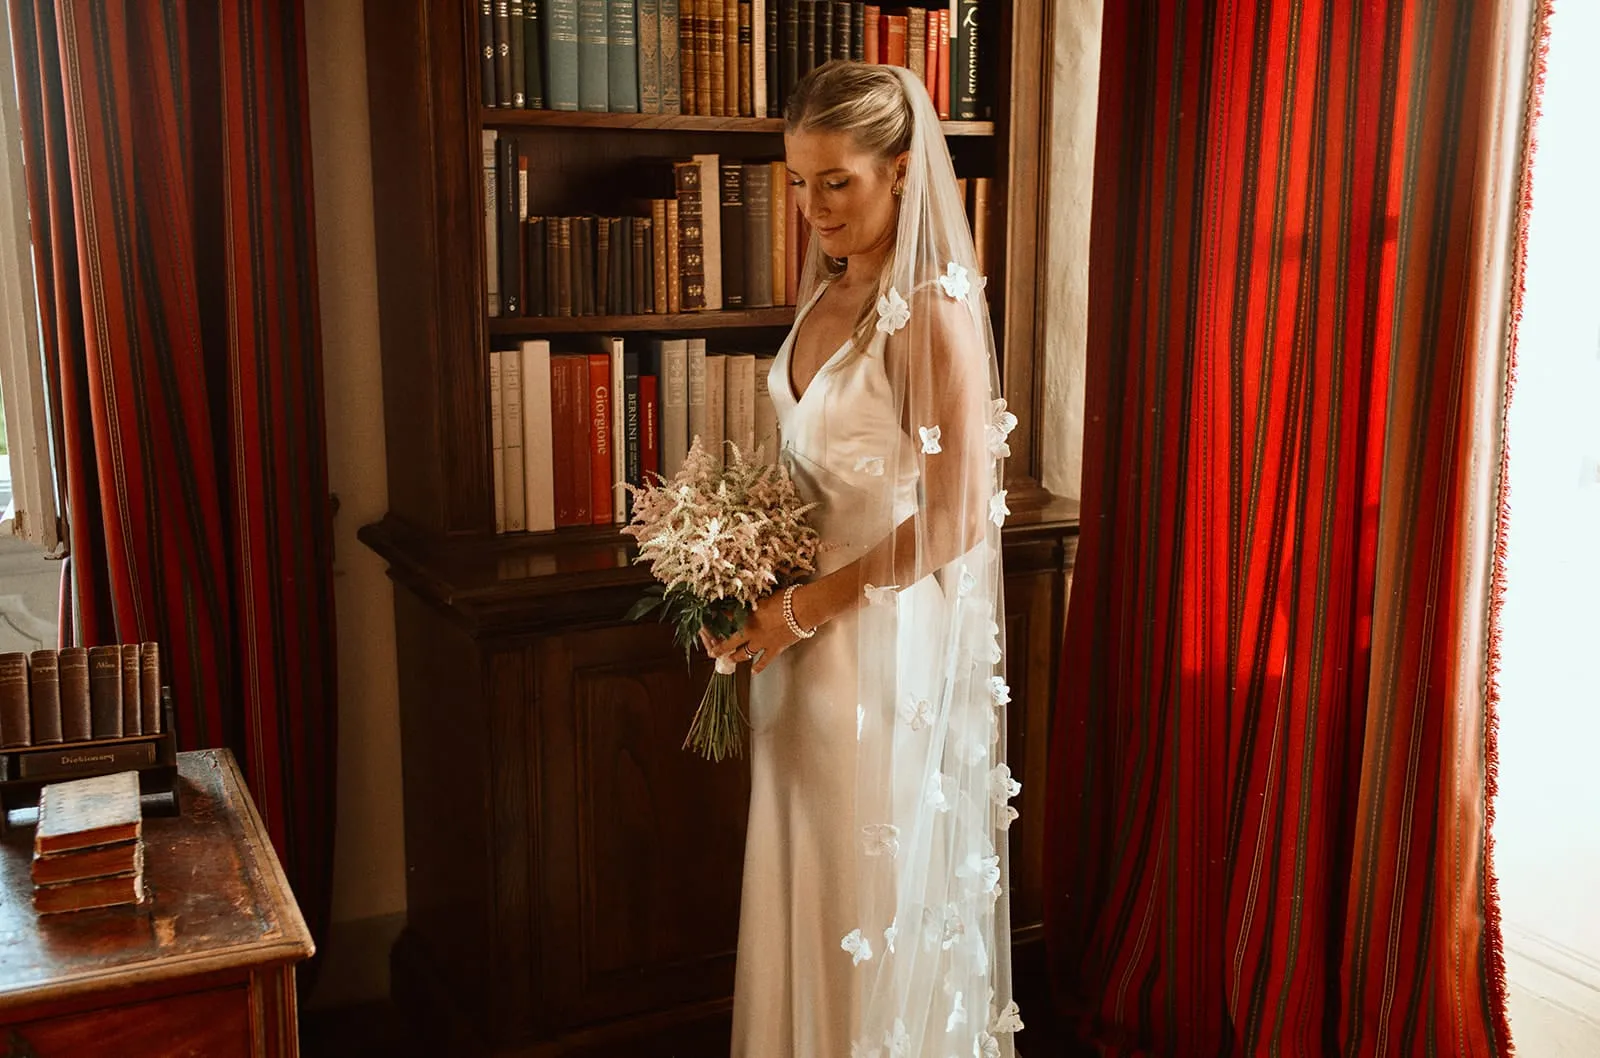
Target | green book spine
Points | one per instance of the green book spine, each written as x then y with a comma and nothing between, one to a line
594,77
622,63
649,12
671,64
561,53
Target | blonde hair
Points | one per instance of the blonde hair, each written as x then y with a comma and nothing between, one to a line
868,103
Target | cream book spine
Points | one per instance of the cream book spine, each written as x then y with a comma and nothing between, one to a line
538,461
716,407
511,431
498,439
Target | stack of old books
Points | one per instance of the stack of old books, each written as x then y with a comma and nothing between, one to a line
88,847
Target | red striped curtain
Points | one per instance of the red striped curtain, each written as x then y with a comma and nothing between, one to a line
167,155
1271,769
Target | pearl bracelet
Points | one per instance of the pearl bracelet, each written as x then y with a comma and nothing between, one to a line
788,614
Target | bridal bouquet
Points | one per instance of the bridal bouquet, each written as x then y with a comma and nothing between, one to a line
719,539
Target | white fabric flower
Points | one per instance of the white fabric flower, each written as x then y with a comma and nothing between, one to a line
893,312
872,466
999,692
1010,1019
958,1014
968,582
898,1040
955,281
942,928
859,947
991,644
1008,815
880,839
997,508
985,1046
937,796
881,596
1002,787
1001,423
916,712
890,933
930,440
972,750
982,871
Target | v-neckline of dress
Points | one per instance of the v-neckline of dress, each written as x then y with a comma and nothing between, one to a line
795,394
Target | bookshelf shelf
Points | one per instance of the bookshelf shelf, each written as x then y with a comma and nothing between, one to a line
516,326
496,118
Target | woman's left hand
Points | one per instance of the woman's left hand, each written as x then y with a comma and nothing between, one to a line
764,636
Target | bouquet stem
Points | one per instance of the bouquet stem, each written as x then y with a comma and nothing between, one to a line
717,731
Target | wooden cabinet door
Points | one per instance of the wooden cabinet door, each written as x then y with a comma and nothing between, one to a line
641,843
211,1024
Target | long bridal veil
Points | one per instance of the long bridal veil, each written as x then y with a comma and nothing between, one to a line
932,944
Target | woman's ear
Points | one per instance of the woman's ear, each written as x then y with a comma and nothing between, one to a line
902,160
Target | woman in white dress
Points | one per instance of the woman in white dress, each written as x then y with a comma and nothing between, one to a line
875,921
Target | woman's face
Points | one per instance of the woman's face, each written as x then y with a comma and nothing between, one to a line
846,194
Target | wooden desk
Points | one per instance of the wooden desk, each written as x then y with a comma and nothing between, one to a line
205,966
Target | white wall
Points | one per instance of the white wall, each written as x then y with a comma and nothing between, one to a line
1076,68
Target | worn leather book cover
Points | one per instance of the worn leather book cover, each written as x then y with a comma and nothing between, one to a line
80,896
97,861
84,812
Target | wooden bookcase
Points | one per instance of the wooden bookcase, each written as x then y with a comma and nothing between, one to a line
572,875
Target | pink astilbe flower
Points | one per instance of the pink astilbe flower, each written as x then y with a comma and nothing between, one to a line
718,540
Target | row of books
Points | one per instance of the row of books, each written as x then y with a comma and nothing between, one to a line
719,58
731,237
569,429
79,693
88,844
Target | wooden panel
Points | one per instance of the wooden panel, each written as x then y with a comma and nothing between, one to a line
427,191
214,1024
513,791
1030,646
645,842
446,774
1024,127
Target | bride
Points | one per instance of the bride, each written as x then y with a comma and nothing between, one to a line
875,920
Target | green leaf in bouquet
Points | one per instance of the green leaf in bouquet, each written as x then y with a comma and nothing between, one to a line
652,600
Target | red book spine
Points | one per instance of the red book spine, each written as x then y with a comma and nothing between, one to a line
600,397
562,462
872,50
941,97
930,68
570,438
649,429
893,31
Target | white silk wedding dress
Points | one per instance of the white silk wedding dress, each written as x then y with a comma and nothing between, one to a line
794,988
